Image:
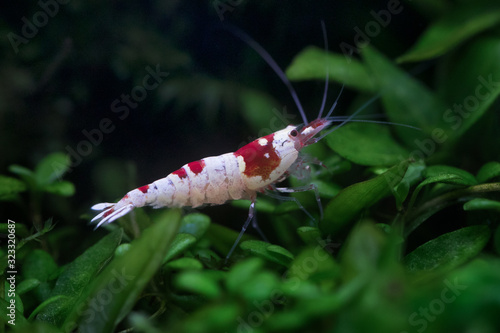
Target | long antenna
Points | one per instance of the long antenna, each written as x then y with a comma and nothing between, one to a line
270,61
323,102
335,103
325,93
348,119
372,122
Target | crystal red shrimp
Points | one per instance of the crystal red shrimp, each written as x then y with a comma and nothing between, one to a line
214,180
255,167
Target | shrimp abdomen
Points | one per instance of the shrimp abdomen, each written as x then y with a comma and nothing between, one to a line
212,180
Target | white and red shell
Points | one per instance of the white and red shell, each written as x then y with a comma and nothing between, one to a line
217,179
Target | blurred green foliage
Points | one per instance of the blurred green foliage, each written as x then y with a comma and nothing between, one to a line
410,237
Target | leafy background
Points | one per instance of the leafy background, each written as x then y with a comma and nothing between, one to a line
409,240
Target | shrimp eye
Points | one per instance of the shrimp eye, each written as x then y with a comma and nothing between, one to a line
294,133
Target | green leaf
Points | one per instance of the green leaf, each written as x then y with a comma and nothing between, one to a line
21,171
311,63
326,189
401,192
297,286
113,293
122,249
459,24
412,176
58,299
62,188
366,144
481,204
195,224
273,253
198,282
242,272
422,108
275,249
27,285
184,264
470,91
141,322
51,168
353,199
39,265
75,279
10,186
262,286
314,264
488,171
180,244
363,250
448,251
443,178
285,321
26,174
443,174
310,235
455,175
217,317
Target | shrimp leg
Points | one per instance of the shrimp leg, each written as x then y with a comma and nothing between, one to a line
250,218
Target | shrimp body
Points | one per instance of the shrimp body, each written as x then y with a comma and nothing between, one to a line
255,167
215,180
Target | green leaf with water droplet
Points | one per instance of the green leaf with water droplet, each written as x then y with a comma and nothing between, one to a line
448,251
76,277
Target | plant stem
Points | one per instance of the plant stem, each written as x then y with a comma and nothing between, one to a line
416,216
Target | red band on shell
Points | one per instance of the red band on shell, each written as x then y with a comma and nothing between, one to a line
260,160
